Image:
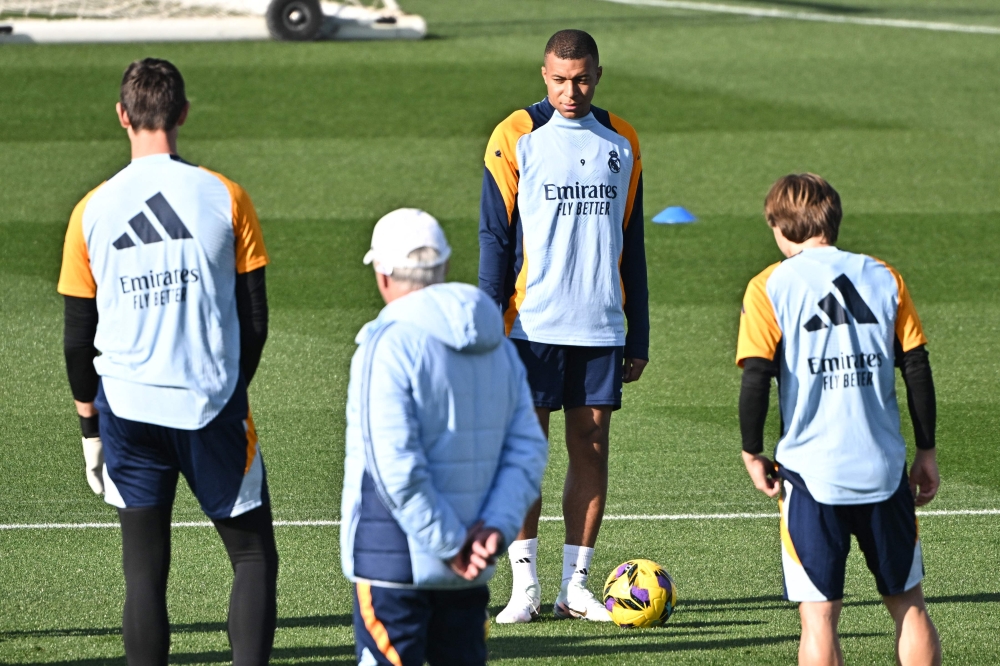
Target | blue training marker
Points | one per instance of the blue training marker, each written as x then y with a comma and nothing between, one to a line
674,215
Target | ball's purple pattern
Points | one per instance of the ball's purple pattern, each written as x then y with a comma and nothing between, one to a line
641,594
621,569
663,581
609,604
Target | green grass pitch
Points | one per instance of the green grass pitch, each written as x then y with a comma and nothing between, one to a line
327,137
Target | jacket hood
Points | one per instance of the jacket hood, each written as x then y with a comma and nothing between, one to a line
459,315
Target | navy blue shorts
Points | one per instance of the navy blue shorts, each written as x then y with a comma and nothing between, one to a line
563,376
815,540
395,626
221,462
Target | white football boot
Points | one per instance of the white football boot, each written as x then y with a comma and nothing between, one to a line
523,606
576,601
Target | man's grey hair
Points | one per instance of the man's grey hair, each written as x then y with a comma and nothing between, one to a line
424,275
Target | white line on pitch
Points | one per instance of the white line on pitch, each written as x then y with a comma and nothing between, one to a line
626,517
761,12
681,516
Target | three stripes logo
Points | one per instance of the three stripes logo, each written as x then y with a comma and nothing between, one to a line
831,307
144,229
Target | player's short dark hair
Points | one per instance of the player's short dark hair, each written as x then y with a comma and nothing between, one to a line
572,45
152,94
803,206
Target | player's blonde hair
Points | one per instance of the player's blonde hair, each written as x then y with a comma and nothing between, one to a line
803,206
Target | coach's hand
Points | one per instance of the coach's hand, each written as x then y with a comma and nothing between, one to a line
93,459
482,544
924,477
633,368
763,473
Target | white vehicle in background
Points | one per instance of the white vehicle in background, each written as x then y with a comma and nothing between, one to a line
306,20
204,20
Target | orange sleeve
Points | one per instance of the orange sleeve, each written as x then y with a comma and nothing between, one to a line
501,156
250,251
627,131
75,276
909,330
759,332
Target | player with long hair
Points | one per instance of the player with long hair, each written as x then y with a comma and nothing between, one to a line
832,326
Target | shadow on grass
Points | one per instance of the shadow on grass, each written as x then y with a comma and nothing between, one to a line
770,602
738,601
706,606
675,637
980,598
341,654
315,622
777,601
654,641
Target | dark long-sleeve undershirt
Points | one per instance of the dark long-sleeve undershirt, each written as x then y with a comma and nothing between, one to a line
80,328
755,397
755,390
921,399
251,308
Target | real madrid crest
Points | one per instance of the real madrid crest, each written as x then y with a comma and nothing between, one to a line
614,163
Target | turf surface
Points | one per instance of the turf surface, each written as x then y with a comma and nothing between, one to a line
327,137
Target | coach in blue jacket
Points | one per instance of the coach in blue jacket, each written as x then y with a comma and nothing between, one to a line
444,455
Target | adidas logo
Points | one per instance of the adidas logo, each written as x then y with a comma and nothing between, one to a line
832,308
144,229
523,560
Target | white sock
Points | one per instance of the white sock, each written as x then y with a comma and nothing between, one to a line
523,555
576,565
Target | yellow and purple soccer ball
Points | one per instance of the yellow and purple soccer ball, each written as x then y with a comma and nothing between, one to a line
640,593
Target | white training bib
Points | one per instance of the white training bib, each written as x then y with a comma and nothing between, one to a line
161,243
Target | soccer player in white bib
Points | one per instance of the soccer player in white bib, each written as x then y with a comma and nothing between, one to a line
166,318
832,326
562,255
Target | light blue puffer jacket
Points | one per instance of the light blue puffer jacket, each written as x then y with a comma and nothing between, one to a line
441,434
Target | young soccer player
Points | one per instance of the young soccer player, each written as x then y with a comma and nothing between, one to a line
562,254
832,326
444,455
166,318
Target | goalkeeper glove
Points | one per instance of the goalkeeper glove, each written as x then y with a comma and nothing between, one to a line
93,457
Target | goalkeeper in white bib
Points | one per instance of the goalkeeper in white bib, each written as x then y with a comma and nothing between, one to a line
166,319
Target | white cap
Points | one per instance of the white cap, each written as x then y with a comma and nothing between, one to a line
401,232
